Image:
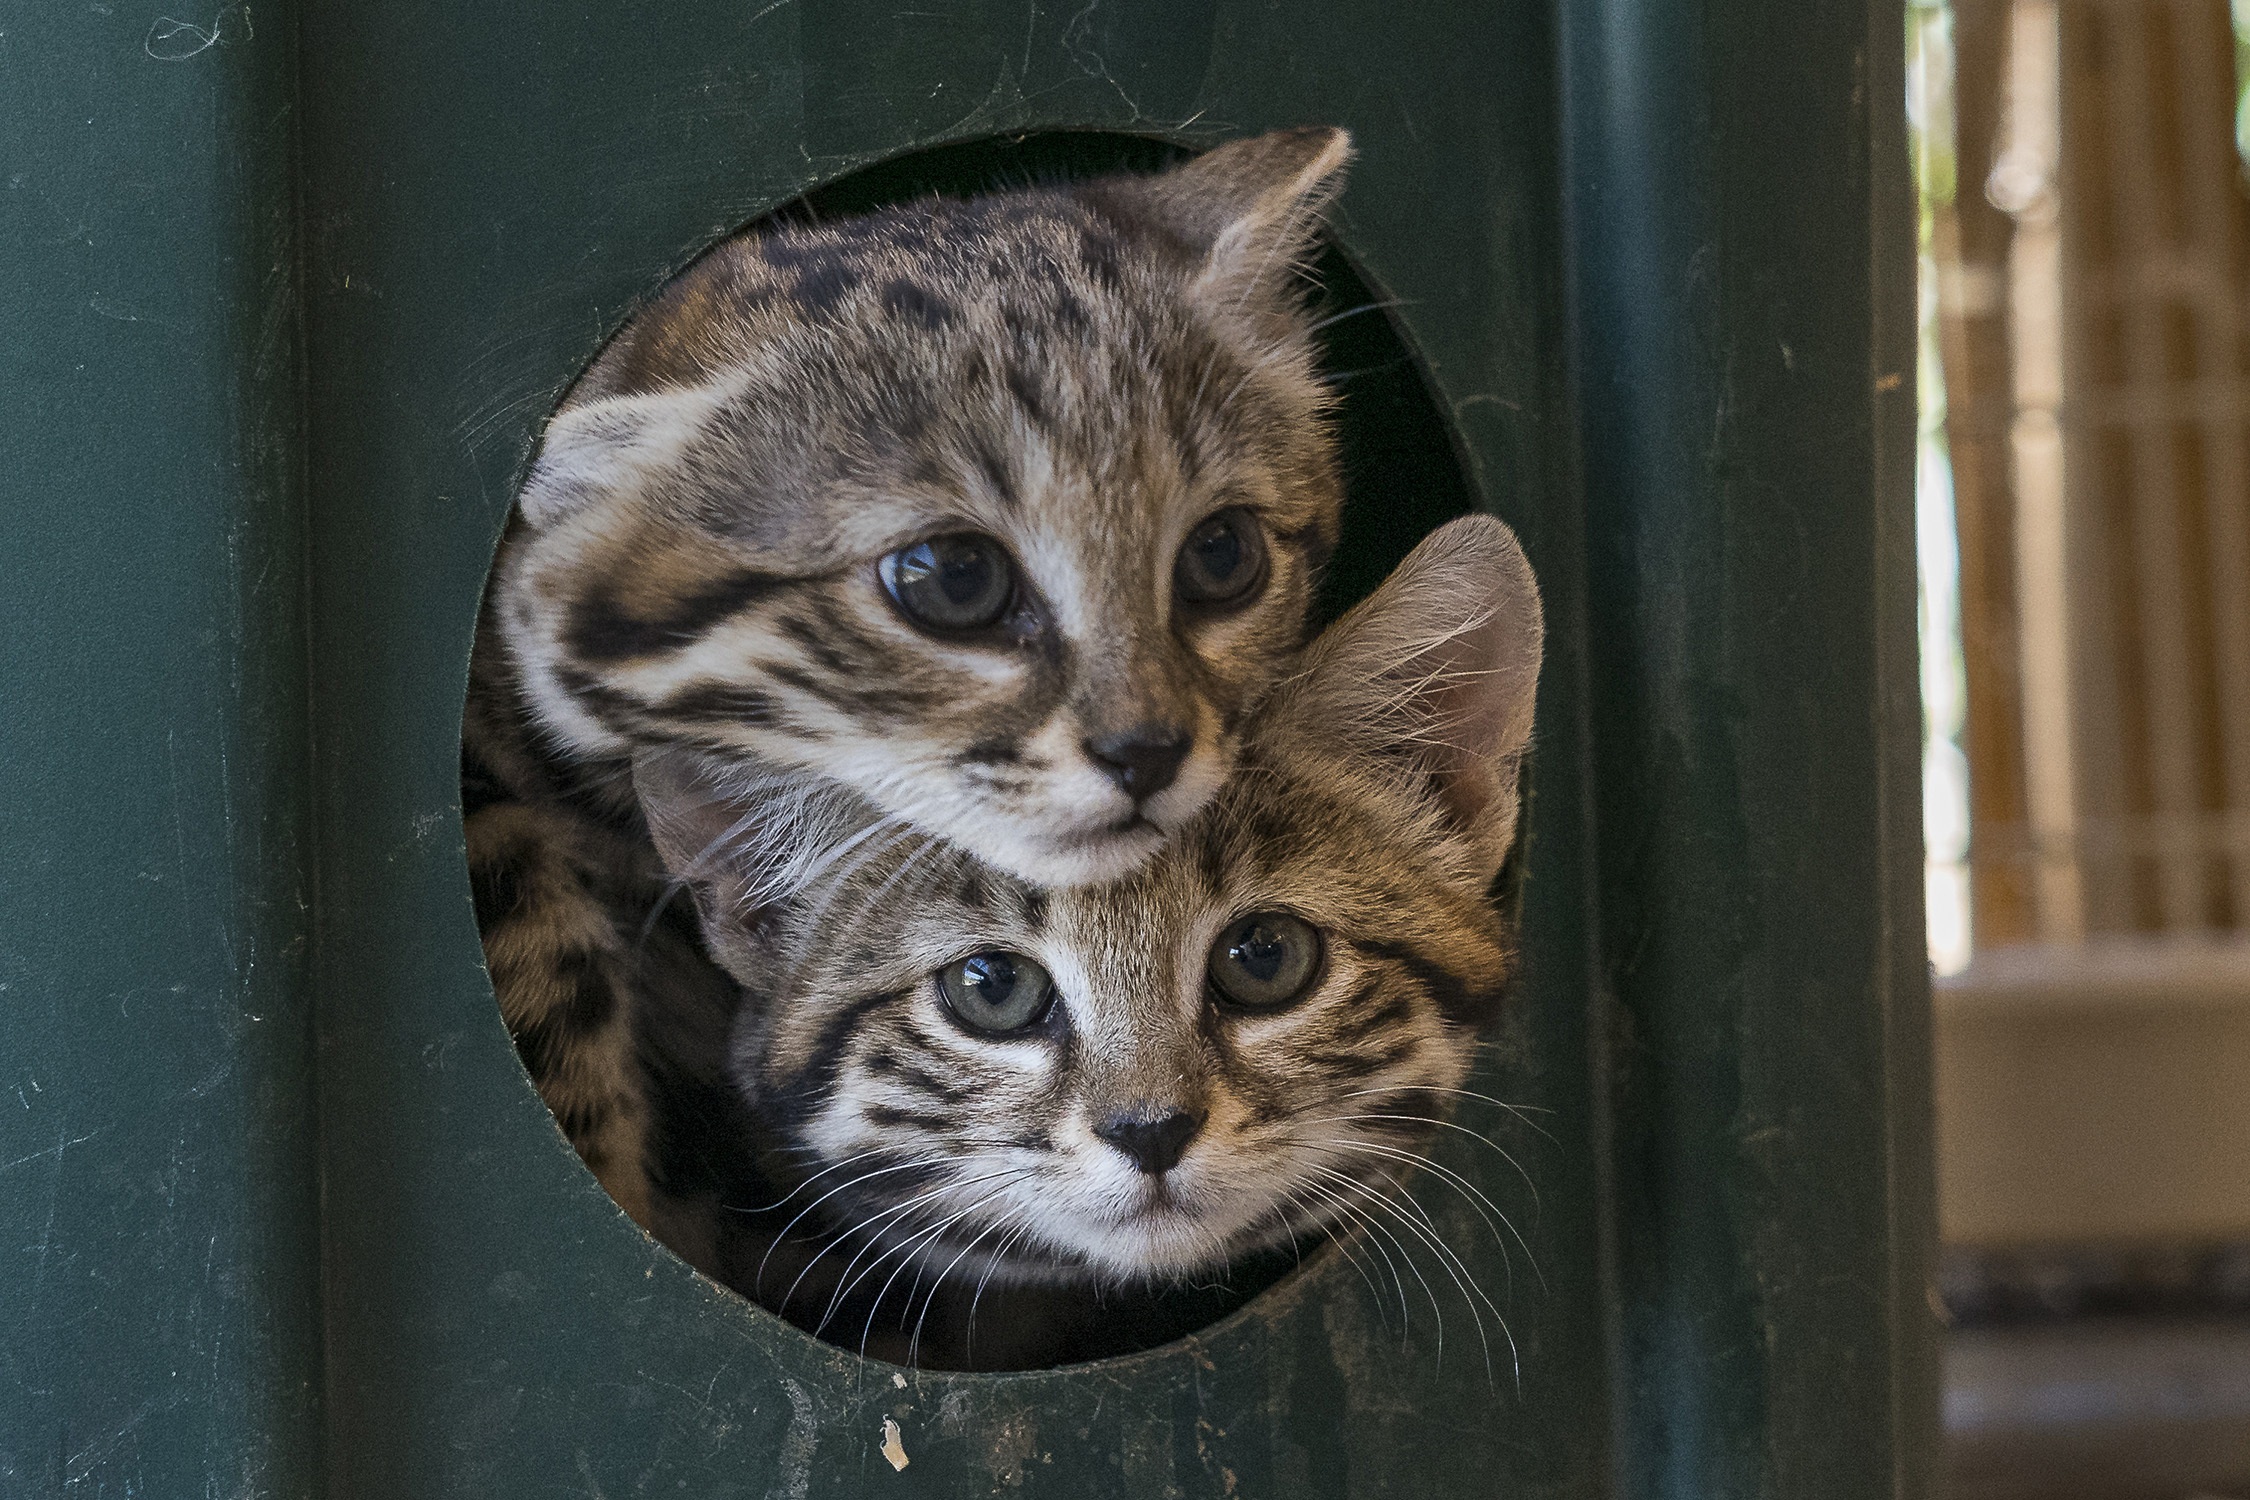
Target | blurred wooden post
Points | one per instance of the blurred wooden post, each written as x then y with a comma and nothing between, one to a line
1971,248
2026,182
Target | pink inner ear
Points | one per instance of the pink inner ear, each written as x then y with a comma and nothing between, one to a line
1441,663
686,817
1470,690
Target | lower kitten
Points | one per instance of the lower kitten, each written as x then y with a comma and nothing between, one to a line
948,1080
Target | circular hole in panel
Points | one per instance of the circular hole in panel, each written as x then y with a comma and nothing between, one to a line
576,912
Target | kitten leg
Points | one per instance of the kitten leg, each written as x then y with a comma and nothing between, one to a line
562,972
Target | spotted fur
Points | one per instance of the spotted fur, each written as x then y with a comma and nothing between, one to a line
1376,799
1084,372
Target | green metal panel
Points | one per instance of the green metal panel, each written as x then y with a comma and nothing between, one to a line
158,1238
1655,262
1742,307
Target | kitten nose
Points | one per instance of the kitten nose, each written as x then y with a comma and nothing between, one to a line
1142,761
1155,1143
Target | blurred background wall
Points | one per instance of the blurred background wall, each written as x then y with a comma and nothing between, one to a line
2084,519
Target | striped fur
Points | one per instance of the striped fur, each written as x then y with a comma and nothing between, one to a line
1376,799
1083,372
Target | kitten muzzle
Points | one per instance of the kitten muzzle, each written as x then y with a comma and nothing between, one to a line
1152,1141
1142,761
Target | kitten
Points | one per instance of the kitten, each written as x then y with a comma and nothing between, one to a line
948,1077
996,512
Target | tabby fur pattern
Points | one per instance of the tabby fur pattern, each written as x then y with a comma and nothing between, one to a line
892,1150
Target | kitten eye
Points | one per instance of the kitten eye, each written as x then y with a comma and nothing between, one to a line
1222,560
1265,960
997,992
962,581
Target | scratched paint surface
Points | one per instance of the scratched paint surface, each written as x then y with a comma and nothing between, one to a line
158,1259
206,588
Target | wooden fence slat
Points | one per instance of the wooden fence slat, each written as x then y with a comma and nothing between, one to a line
2136,224
2220,404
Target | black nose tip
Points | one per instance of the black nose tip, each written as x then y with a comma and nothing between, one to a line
1141,761
1155,1143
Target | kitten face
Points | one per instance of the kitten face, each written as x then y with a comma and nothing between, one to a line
998,512
1024,1127
1242,1040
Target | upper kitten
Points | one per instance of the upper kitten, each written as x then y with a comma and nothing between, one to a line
947,1070
996,511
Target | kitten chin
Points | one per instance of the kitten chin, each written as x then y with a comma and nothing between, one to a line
1085,859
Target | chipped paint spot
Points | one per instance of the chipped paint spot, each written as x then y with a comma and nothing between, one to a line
893,1449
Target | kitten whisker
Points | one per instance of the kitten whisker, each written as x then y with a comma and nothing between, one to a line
1450,1262
909,1252
914,1342
809,1181
1448,1125
759,1280
1520,1111
905,866
872,844
834,884
1377,1233
1365,307
1383,1201
1425,1230
999,1255
1340,377
1474,1195
894,1211
1342,1242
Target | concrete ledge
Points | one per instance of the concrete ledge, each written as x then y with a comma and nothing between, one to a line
2095,1095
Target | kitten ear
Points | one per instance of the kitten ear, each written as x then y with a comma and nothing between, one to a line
608,448
1437,669
693,821
744,839
1251,206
